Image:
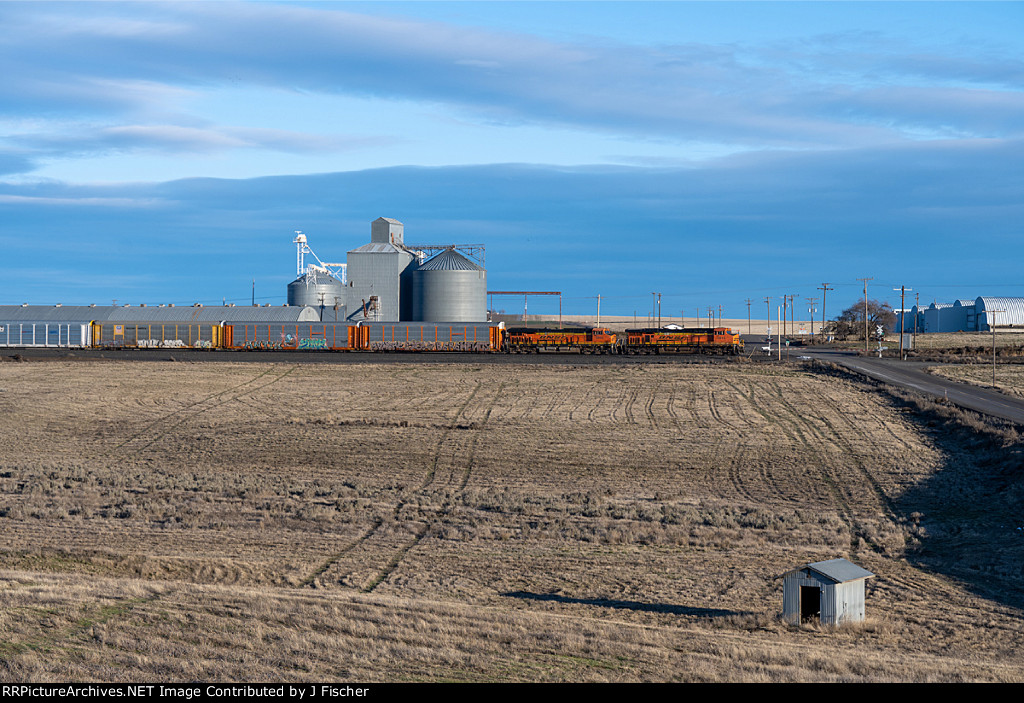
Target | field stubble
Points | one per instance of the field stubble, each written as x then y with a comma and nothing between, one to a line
244,521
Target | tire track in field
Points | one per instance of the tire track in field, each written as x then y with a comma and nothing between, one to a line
715,413
846,449
736,475
185,408
334,558
379,578
627,409
790,427
765,468
583,396
476,437
649,407
743,416
690,404
382,575
840,491
432,472
182,417
883,499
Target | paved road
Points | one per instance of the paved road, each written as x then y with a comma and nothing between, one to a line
912,375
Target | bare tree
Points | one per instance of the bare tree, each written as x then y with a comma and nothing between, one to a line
850,323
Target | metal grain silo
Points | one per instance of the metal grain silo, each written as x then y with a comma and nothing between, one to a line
307,289
449,288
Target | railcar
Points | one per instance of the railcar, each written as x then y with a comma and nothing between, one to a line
694,340
432,336
45,334
527,340
333,336
156,335
365,336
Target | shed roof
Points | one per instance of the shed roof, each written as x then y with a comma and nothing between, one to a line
838,570
149,313
376,248
1012,308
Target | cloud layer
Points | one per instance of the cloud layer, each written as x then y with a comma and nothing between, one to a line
117,77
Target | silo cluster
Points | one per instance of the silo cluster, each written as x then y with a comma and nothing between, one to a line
390,281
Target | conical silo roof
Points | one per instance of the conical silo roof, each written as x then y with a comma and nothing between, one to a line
449,260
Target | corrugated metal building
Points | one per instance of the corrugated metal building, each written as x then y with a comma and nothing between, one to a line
941,317
158,313
380,275
1011,313
68,325
830,591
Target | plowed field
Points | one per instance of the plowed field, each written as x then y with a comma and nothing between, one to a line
530,523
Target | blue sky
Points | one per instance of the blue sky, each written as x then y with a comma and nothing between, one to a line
711,151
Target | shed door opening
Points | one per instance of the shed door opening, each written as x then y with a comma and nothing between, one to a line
810,603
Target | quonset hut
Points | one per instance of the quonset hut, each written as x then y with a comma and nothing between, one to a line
829,591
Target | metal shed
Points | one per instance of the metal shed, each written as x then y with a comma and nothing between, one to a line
999,312
831,592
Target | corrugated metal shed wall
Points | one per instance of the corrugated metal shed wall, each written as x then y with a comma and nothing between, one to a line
381,270
945,317
840,602
1012,315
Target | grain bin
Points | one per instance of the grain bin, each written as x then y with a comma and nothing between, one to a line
449,288
307,289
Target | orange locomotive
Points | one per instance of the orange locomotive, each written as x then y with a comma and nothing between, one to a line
694,340
532,340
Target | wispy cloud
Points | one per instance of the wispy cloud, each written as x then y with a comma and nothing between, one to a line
123,61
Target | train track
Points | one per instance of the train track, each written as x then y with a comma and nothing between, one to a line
327,357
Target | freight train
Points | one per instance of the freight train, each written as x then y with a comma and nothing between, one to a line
367,336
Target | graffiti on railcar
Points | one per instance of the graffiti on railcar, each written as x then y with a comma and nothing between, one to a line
315,343
454,346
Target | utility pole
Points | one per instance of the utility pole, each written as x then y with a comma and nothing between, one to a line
865,281
719,315
598,309
654,304
768,302
810,312
779,311
792,312
903,316
917,306
993,325
824,291
748,315
783,320
659,311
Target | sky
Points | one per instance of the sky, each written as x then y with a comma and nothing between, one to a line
713,152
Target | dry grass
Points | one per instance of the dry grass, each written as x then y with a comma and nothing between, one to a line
1009,378
959,340
526,523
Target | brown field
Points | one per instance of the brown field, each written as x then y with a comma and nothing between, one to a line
220,521
971,340
1009,378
